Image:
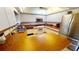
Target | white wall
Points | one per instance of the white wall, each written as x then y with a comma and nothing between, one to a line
31,18
55,17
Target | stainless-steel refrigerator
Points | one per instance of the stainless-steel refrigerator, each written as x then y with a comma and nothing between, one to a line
70,27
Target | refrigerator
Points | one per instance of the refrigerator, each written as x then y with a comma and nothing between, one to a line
70,27
65,24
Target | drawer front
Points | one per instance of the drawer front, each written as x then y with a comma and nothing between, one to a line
72,47
75,42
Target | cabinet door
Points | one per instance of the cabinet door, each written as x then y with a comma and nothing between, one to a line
3,19
11,16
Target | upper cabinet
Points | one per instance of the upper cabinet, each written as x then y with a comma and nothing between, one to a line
3,19
7,17
11,16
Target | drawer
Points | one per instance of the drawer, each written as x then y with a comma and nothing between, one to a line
75,42
72,47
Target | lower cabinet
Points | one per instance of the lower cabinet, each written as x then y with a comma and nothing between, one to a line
74,45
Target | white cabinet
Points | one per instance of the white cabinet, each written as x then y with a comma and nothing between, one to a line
3,19
11,16
7,17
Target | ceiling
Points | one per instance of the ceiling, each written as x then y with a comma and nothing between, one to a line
41,10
